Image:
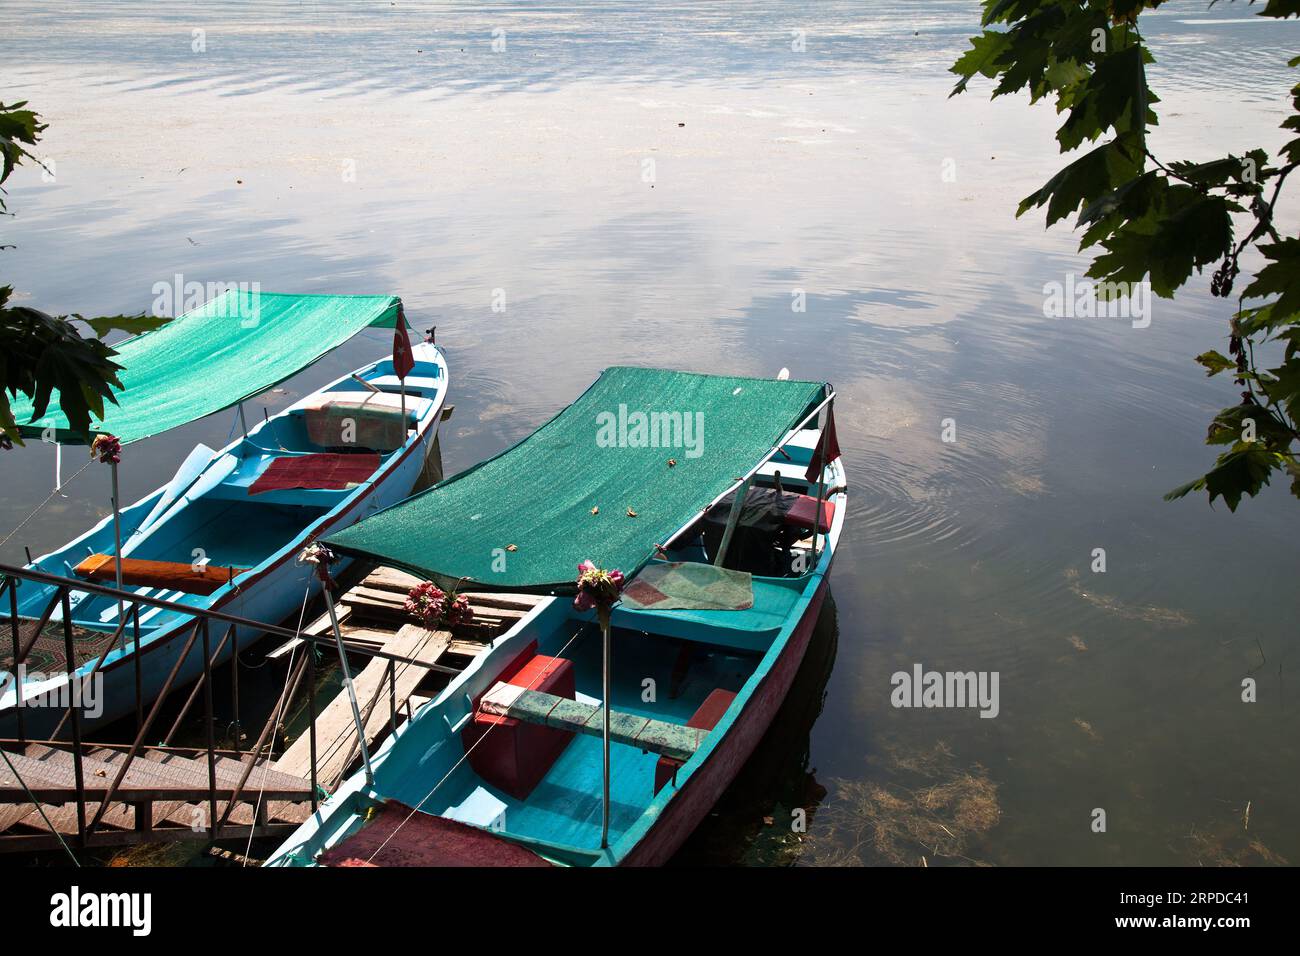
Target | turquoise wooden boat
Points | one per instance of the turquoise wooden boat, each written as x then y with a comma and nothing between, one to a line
505,766
225,532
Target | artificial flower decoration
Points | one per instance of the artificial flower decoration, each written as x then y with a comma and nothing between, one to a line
431,606
108,448
322,557
598,589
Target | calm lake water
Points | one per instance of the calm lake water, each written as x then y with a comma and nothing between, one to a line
663,185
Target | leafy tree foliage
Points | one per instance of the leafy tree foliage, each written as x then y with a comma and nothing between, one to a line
1163,221
40,352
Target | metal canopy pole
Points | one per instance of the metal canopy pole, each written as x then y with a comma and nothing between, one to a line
821,478
117,546
347,682
605,681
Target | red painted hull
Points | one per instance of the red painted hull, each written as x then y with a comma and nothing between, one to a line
706,785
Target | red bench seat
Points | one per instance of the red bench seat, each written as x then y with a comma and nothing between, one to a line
802,512
706,717
510,754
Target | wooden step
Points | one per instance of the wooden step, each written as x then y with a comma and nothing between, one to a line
103,764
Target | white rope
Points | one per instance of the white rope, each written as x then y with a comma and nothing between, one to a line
465,756
56,492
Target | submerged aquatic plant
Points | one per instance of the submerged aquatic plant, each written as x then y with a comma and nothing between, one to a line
874,821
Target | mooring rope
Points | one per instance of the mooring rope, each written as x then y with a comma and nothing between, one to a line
55,492
465,756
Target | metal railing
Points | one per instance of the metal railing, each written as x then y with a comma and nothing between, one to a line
89,826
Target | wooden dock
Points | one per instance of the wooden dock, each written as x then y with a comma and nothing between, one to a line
372,618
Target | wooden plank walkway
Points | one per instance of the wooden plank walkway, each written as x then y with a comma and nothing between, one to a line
372,618
380,692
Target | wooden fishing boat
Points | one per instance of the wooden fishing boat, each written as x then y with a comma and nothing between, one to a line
226,531
727,555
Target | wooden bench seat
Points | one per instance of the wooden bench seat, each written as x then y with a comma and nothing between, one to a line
645,733
173,575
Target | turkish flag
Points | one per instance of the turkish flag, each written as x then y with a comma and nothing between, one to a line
403,360
828,448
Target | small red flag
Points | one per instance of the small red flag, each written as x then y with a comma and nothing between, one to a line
828,449
403,360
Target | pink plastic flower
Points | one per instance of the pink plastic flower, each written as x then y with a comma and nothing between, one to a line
432,606
426,602
597,589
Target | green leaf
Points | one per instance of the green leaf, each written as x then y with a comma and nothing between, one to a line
1114,97
982,58
1194,230
1281,8
131,324
1243,470
1281,277
1215,362
1091,176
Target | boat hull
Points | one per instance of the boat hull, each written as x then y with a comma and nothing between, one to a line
274,596
698,794
271,594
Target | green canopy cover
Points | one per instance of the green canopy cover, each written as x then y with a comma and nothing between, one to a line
231,348
617,472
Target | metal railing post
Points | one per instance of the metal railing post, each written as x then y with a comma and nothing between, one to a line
70,669
148,722
18,684
197,689
392,695
207,706
310,649
268,732
135,653
234,683
103,656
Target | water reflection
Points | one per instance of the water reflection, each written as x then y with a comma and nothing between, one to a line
777,179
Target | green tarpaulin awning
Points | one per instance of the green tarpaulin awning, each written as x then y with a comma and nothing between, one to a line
229,349
524,519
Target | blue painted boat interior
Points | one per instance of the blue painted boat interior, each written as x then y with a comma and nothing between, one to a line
217,513
565,808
